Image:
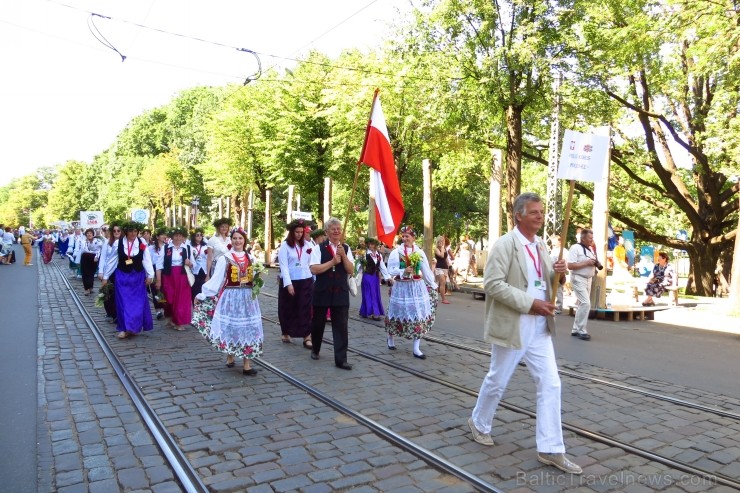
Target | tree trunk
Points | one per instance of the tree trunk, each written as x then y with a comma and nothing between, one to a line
735,275
513,159
703,264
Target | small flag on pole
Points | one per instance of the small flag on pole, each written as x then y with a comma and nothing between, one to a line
378,155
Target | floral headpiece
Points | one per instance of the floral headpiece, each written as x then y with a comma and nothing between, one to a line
178,231
221,221
298,223
239,230
408,230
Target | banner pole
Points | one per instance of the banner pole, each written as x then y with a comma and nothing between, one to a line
563,237
359,163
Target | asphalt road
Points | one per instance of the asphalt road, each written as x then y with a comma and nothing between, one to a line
18,367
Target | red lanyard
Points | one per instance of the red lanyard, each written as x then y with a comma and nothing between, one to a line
406,253
537,262
197,254
299,252
129,247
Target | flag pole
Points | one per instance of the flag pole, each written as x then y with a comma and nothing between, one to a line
359,163
563,237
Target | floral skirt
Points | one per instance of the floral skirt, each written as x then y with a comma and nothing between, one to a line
231,323
411,310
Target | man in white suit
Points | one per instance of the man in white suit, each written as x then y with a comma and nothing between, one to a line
519,325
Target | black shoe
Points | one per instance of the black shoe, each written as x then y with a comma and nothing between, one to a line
314,355
230,365
420,356
344,366
392,348
160,315
584,337
574,334
388,341
251,371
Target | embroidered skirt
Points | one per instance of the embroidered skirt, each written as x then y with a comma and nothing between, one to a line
231,323
412,309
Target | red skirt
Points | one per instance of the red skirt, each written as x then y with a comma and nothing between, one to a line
176,290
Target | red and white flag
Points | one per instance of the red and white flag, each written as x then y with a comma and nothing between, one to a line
377,154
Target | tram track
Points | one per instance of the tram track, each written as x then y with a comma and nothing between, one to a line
397,439
583,432
578,430
182,468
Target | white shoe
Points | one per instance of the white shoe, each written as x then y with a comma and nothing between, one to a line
560,461
482,438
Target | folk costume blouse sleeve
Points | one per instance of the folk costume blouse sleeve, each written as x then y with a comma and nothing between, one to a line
394,263
111,261
213,286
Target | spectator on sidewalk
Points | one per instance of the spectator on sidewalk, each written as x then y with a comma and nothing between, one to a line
582,263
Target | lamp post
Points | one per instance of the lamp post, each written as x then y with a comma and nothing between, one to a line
194,215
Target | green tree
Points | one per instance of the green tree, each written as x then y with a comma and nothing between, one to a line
676,80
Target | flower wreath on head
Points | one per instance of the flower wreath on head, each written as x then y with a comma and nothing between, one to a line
407,230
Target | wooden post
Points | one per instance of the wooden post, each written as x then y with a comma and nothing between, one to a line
250,212
372,226
289,212
220,207
186,223
494,198
228,206
327,199
428,216
600,222
298,202
268,227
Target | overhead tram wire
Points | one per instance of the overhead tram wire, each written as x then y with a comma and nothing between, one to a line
224,45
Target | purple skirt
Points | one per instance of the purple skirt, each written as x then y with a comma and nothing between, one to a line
372,303
294,312
132,303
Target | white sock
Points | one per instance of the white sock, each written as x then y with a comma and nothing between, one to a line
391,342
417,343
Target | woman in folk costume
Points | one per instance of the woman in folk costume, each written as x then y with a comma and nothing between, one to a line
48,246
113,233
373,268
132,266
296,284
413,301
199,251
227,312
219,244
156,250
172,279
87,255
63,243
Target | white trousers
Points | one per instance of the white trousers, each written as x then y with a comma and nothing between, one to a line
537,352
582,288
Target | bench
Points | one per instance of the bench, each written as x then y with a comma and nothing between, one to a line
478,294
672,293
628,313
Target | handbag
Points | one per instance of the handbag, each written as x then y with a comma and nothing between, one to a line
352,283
189,273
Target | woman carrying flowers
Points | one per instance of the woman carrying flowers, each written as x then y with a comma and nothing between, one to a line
413,301
226,311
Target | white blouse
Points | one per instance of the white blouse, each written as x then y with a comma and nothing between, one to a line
111,262
294,262
219,246
199,256
177,256
394,264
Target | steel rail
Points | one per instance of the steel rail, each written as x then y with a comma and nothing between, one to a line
182,468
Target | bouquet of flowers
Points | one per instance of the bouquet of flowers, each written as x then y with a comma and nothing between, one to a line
414,260
105,294
256,271
360,262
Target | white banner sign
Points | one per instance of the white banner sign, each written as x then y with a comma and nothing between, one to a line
306,216
91,219
140,215
583,157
